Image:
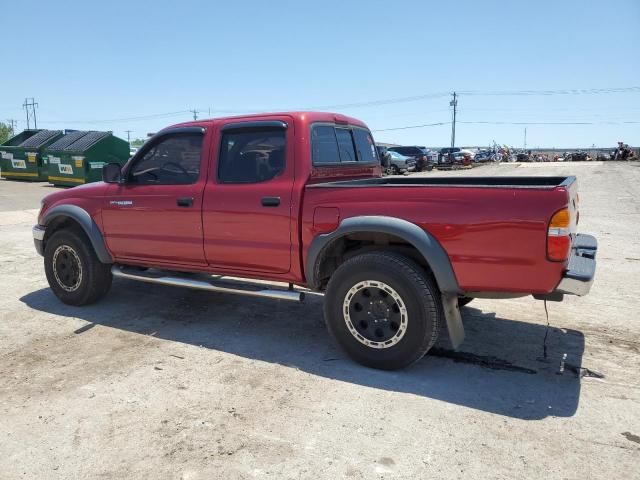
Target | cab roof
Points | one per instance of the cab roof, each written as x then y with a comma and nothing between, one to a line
303,117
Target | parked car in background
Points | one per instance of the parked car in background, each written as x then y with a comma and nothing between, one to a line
470,153
420,154
443,156
399,163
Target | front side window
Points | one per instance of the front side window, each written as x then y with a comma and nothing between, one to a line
332,145
251,155
173,160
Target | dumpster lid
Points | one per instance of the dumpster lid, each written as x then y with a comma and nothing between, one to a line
67,140
40,138
86,141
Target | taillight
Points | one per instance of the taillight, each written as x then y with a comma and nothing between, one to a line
559,236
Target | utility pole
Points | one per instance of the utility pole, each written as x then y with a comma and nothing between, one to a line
12,125
525,138
453,103
195,113
31,103
128,137
26,109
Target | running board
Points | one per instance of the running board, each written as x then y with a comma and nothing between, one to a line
206,282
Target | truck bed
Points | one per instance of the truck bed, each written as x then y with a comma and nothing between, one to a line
494,229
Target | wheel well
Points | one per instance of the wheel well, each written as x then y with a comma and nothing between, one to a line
352,244
63,222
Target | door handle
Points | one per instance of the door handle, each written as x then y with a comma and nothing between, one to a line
270,201
185,202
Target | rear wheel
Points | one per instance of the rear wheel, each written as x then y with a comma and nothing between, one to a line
383,310
73,270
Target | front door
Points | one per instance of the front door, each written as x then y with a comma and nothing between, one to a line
246,212
156,215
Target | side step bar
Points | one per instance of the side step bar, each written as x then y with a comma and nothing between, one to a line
206,282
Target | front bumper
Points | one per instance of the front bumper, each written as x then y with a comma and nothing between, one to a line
38,238
581,269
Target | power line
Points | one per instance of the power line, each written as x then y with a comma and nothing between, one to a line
125,119
611,122
586,91
480,122
411,126
371,103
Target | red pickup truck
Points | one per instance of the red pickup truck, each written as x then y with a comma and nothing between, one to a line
299,198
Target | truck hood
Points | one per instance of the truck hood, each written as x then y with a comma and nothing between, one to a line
81,191
82,195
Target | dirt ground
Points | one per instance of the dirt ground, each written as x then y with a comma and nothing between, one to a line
158,382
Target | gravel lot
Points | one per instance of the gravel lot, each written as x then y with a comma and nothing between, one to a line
156,382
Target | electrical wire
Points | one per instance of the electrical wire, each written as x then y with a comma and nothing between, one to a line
388,101
411,126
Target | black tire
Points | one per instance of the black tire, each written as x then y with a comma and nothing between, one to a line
462,301
422,317
73,270
393,170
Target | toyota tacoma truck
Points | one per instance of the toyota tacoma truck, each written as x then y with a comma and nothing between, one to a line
273,205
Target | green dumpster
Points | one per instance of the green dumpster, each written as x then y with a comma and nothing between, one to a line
79,156
22,155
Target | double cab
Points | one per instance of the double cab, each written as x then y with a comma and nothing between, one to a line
298,200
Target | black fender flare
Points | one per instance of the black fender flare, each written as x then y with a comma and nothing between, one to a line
87,224
430,249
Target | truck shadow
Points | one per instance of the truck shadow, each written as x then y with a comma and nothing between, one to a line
499,370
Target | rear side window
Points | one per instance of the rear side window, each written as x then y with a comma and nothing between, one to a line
331,145
365,146
324,145
345,145
251,156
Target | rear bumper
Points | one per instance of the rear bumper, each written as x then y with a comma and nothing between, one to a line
581,269
38,238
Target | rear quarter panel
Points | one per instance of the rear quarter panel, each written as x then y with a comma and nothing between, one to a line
495,237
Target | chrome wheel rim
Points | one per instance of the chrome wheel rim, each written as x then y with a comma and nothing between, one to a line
67,268
375,314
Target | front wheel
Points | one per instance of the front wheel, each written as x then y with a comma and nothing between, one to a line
383,310
73,270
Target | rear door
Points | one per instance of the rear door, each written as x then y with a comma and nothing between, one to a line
247,203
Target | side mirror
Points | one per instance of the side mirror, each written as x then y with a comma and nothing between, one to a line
111,173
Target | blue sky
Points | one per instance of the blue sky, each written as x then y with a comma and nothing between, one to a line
87,62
